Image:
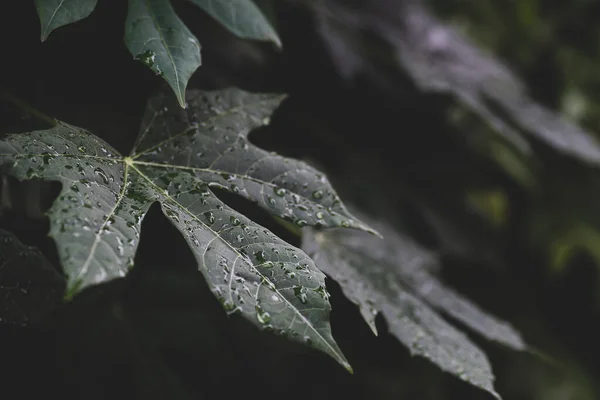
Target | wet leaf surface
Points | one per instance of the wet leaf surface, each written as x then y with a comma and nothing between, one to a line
178,158
393,277
156,36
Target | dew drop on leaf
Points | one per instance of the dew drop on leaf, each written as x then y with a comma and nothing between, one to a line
260,256
263,316
209,217
147,57
300,293
102,175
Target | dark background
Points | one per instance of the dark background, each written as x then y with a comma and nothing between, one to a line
161,334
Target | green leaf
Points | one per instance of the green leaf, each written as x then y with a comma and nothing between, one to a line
56,13
393,276
156,36
30,287
241,17
179,157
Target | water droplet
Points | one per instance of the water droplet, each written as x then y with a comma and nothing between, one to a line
290,274
82,149
279,191
260,256
301,223
300,293
102,175
209,217
234,221
228,306
147,57
323,292
317,194
320,215
263,316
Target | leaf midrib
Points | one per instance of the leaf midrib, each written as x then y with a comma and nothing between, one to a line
423,329
85,267
45,32
159,165
216,234
167,48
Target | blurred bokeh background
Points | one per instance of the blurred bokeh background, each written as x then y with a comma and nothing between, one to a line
457,139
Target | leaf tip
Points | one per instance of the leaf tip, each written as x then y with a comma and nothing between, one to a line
44,30
180,94
374,232
364,227
181,100
374,329
348,367
73,287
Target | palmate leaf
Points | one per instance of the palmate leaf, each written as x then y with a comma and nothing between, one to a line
393,276
156,36
179,156
56,13
241,17
29,286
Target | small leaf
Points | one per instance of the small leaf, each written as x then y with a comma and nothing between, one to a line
56,13
179,157
30,287
241,17
393,276
156,36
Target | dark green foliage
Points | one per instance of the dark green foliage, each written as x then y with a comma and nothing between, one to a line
465,139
